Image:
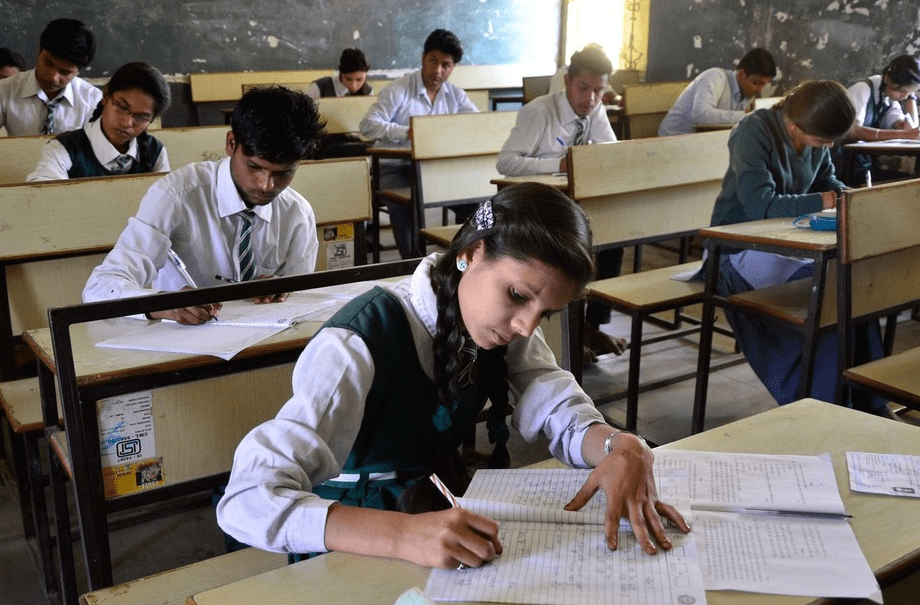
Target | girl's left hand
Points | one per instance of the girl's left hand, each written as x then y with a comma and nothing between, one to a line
625,475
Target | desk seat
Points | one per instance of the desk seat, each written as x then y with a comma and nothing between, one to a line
21,403
441,236
399,195
898,376
788,302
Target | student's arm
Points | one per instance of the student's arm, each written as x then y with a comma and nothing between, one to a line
529,148
297,243
269,503
378,124
313,91
53,165
892,124
549,403
464,103
162,163
601,130
706,109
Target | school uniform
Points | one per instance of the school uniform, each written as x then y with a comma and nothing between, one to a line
344,416
23,107
87,152
713,97
874,109
766,178
195,210
332,87
387,123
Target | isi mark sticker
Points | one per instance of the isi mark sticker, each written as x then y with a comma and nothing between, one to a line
127,444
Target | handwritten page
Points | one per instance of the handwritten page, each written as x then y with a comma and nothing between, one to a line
554,556
565,564
891,474
297,308
211,338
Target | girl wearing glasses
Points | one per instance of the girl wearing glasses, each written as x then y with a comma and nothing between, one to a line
115,140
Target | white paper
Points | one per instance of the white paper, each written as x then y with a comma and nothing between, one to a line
891,474
205,339
126,428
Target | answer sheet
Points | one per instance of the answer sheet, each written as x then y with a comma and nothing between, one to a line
891,474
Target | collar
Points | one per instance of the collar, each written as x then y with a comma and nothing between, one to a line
229,201
30,88
104,150
737,95
337,86
423,297
564,109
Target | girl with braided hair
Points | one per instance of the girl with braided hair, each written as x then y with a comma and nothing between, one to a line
115,140
388,388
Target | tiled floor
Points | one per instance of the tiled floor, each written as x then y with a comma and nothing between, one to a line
178,539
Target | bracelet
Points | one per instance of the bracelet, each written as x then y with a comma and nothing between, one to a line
608,442
876,134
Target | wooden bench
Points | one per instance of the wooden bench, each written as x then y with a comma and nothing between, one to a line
488,85
343,114
59,231
453,159
665,188
184,146
646,104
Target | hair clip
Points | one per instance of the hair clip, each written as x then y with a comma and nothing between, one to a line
483,219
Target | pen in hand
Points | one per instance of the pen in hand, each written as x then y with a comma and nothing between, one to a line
450,498
183,271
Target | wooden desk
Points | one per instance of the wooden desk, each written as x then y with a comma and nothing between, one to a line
770,235
898,147
711,127
86,374
378,153
883,527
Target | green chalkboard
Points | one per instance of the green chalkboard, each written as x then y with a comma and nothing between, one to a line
230,35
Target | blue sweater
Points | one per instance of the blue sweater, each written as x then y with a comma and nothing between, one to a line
766,178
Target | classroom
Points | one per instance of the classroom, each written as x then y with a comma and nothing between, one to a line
683,358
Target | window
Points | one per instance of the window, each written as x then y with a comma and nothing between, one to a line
620,26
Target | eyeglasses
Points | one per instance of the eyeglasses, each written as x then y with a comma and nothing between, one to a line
124,110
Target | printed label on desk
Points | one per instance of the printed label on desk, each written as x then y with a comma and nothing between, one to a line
131,478
126,428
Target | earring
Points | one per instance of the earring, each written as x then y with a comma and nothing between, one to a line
462,265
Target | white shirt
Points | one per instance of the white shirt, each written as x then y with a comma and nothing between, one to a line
387,120
23,110
862,95
268,502
543,131
194,210
55,161
714,97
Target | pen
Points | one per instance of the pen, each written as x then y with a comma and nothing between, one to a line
868,178
450,498
770,511
560,141
183,271
226,279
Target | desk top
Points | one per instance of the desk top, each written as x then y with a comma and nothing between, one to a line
98,365
890,541
895,147
403,151
559,181
777,232
711,127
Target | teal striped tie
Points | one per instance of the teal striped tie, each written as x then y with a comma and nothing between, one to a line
49,120
247,265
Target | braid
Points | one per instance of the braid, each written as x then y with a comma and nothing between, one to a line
143,152
448,338
96,112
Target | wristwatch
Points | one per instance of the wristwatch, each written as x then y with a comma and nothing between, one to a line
608,442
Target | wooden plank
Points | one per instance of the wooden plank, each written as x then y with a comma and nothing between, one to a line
343,115
195,144
175,586
228,86
20,156
463,134
651,97
339,190
645,289
478,77
646,164
458,178
898,375
865,220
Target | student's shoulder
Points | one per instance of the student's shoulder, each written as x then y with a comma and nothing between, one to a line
85,88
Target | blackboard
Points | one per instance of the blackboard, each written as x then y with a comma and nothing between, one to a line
842,40
233,35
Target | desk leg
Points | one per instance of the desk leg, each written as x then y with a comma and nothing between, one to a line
375,208
812,323
573,330
707,324
418,214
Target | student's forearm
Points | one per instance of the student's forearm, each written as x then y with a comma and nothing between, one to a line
364,531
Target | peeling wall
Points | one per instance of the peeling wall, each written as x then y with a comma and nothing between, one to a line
229,35
842,40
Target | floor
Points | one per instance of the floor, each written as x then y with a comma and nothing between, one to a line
177,539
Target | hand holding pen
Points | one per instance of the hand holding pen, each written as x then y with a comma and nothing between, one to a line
473,548
187,315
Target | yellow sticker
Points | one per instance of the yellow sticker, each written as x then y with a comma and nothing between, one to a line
335,233
132,477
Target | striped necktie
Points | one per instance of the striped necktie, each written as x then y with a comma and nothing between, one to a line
247,266
49,120
581,132
468,354
122,162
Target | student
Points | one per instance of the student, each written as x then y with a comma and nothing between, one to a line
11,63
720,96
557,81
115,141
386,391
544,129
780,166
51,99
351,80
207,212
425,91
880,116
